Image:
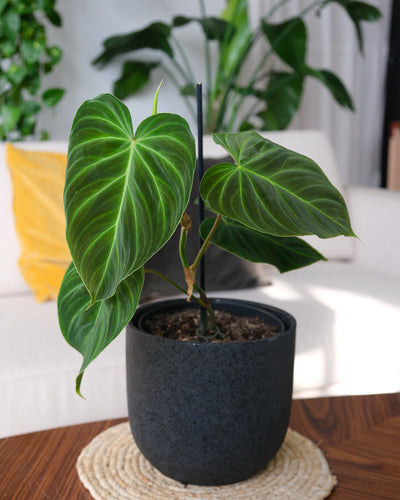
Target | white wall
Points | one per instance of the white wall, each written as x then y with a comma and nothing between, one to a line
86,23
355,136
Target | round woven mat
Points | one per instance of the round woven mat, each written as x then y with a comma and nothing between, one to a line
112,468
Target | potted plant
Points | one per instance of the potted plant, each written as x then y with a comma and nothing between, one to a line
202,410
255,75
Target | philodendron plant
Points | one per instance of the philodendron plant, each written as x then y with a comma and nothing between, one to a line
127,192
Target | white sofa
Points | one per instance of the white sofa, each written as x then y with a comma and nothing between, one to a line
348,313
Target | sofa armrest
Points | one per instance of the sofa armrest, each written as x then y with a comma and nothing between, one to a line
375,214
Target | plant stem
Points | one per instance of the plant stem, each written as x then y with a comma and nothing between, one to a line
182,246
206,243
203,302
185,60
174,80
255,76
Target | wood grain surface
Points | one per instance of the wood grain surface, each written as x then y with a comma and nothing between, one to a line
360,436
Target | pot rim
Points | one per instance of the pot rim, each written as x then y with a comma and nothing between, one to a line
281,316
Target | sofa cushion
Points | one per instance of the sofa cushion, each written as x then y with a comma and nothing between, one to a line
347,342
12,281
38,183
347,338
38,370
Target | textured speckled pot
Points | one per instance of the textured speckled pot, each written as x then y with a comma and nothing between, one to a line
210,413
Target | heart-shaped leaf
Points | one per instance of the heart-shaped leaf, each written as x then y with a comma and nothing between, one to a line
273,190
90,329
284,253
124,195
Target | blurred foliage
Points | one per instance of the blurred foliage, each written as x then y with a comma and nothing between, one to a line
25,58
265,98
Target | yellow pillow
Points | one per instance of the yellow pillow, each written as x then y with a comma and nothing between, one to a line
38,183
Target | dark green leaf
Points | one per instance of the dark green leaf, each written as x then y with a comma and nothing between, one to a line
246,125
3,4
32,81
90,329
135,75
284,253
55,54
359,11
213,27
27,125
32,50
282,97
30,108
216,29
288,40
124,195
179,21
54,17
10,115
25,6
52,96
333,84
11,23
189,89
7,48
16,74
273,190
155,36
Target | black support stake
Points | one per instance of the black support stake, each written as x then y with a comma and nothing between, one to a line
200,163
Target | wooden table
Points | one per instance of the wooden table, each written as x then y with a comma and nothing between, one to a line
360,436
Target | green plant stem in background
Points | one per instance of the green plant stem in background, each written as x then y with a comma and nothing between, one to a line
269,98
25,57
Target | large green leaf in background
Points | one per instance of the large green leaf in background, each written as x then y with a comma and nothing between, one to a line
213,27
273,190
135,75
124,194
284,253
288,40
154,36
282,97
91,329
358,12
233,48
333,84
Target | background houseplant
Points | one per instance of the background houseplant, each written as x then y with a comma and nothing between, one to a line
25,58
255,76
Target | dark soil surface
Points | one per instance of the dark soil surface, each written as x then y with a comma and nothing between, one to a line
184,325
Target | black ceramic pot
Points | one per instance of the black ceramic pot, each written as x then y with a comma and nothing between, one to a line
210,413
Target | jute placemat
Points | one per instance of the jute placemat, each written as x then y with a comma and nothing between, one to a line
112,468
